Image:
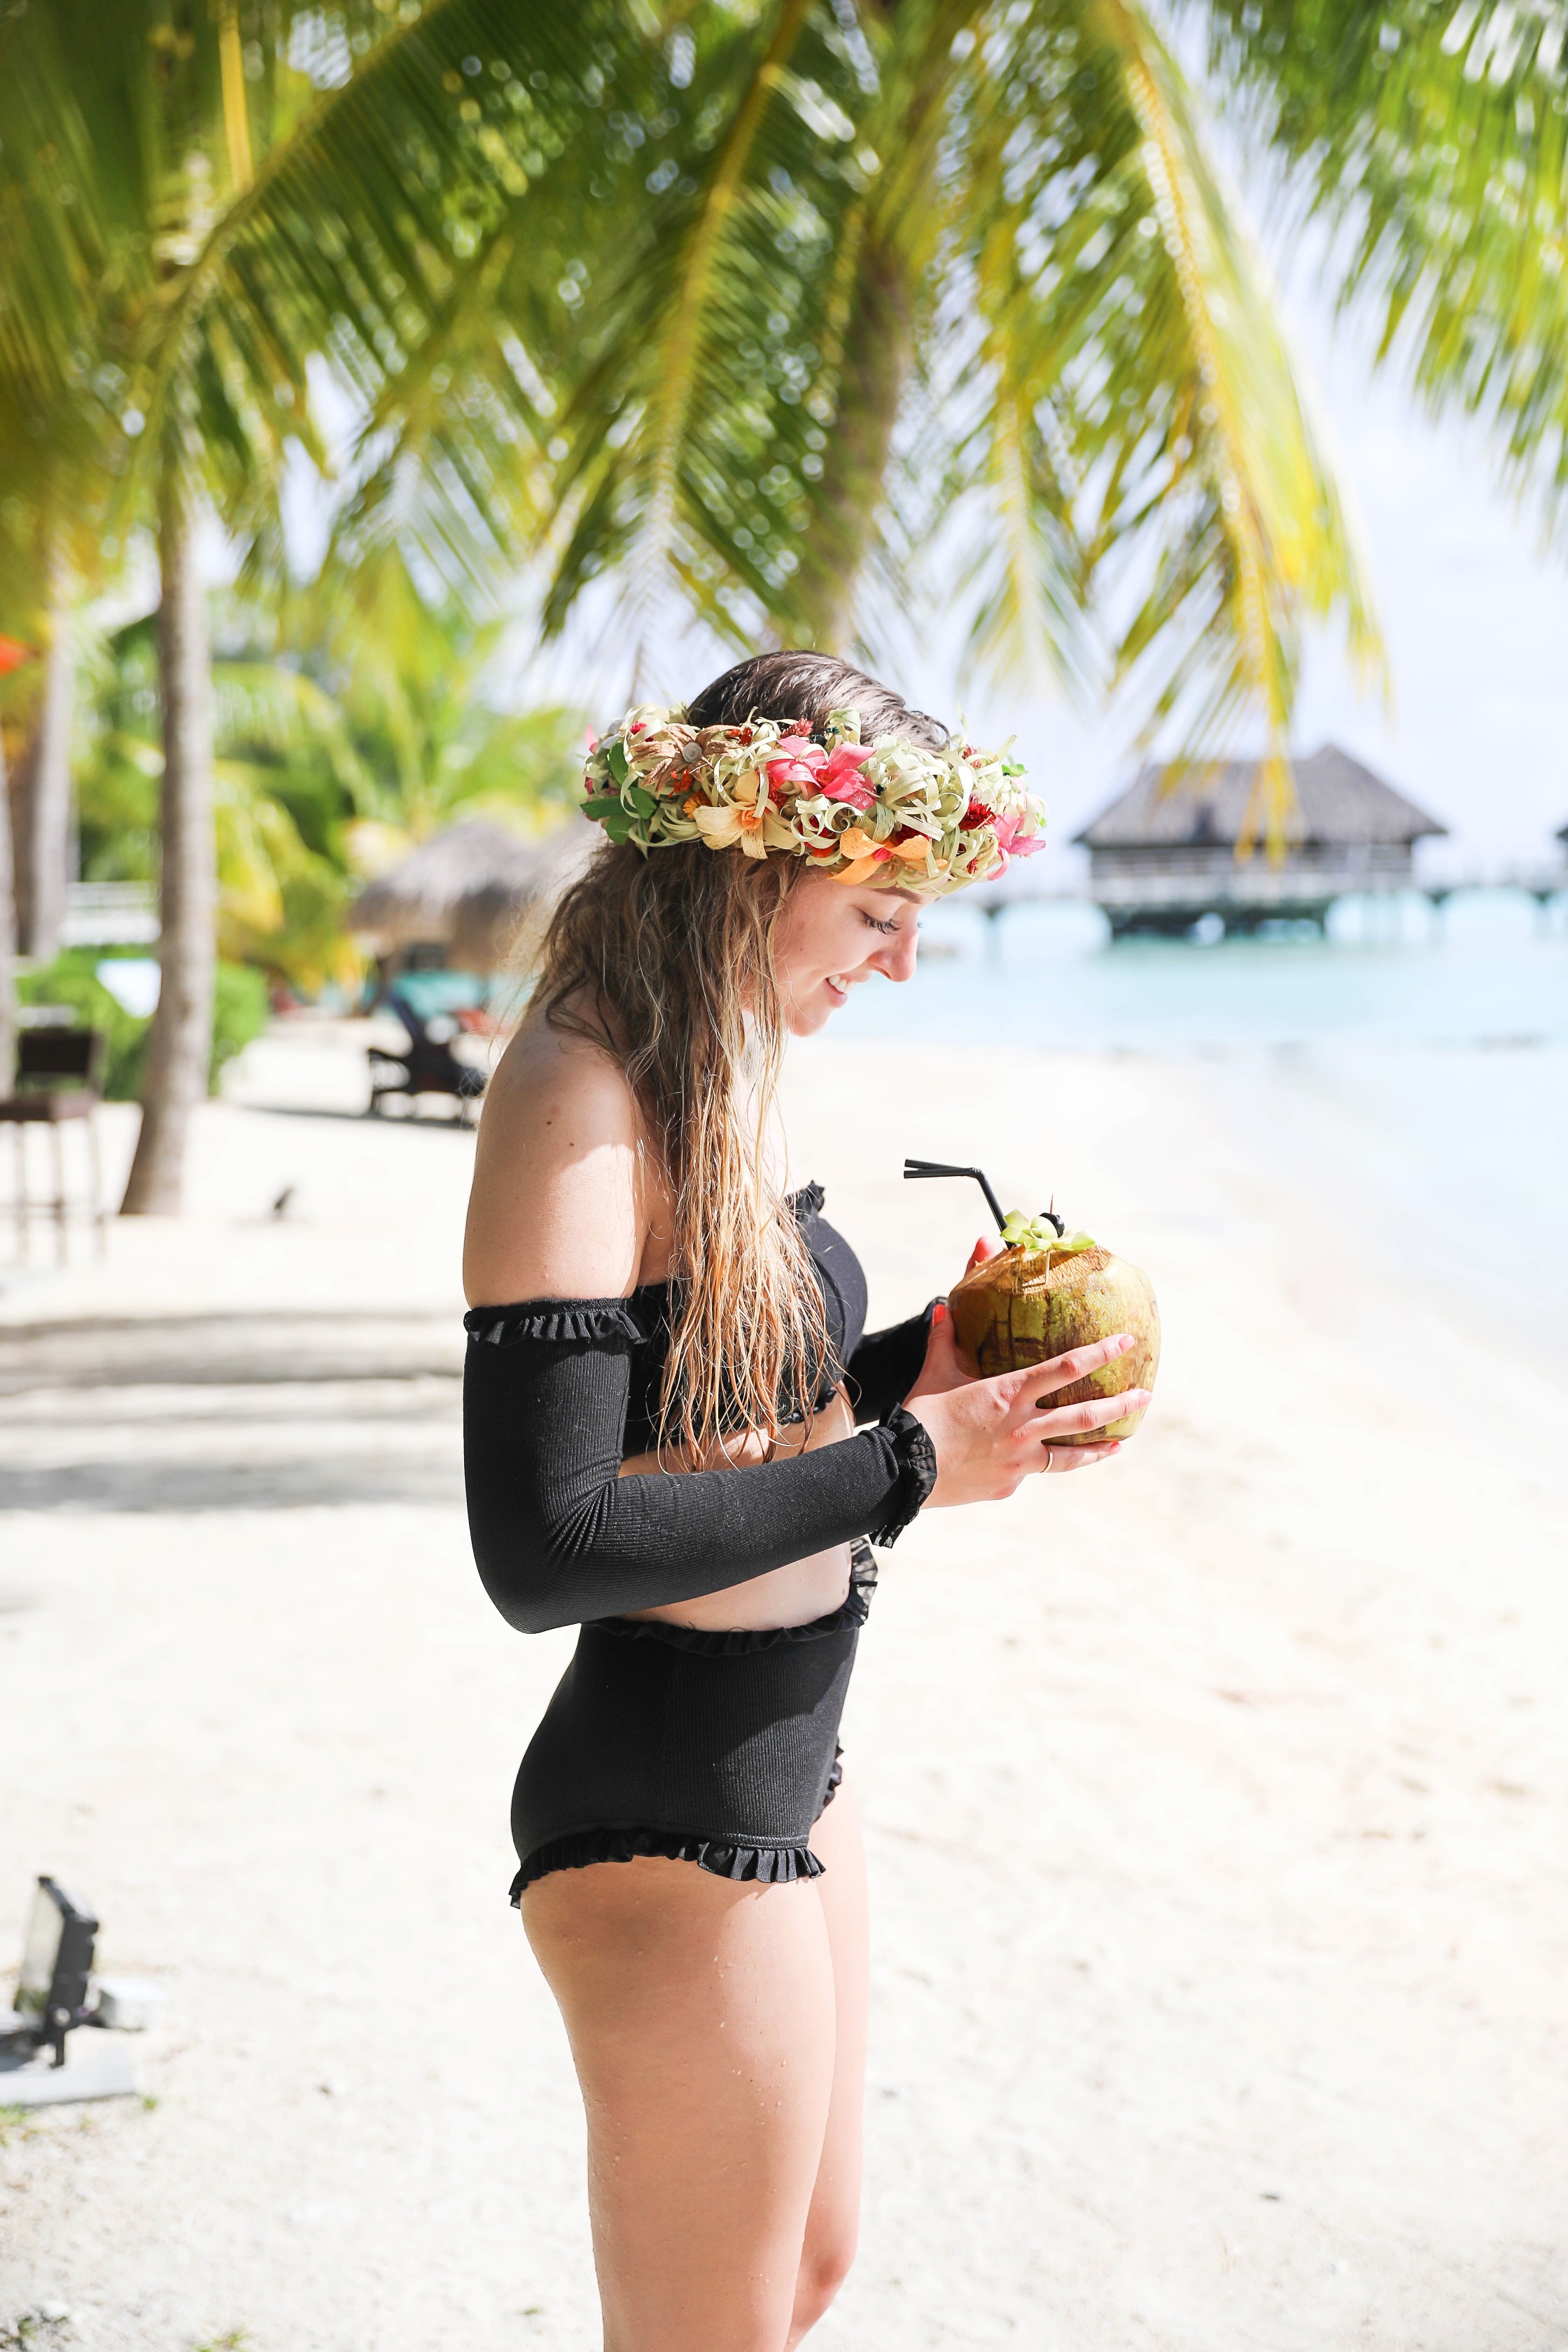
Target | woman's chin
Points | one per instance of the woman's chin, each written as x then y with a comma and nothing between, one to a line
805,1020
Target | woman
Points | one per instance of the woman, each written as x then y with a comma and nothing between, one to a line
667,1366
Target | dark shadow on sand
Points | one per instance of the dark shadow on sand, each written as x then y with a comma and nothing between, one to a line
184,1487
230,1350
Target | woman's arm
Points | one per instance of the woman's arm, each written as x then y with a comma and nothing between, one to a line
558,1207
558,1219
886,1365
561,1538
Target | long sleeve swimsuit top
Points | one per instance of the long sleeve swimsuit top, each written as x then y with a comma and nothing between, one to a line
557,1394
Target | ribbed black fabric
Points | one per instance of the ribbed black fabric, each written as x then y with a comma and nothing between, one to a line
881,1368
720,1749
558,1392
717,1748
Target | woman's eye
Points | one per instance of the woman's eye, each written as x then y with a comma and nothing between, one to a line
889,930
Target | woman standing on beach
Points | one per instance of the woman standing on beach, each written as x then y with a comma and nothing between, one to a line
662,1447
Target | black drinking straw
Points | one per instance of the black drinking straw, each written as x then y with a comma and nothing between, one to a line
918,1168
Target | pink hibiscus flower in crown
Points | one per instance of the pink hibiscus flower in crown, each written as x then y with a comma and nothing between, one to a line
804,766
1010,841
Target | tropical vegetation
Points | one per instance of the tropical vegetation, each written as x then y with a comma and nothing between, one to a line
352,718
783,313
73,981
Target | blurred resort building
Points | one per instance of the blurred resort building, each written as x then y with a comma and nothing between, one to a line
1162,855
471,899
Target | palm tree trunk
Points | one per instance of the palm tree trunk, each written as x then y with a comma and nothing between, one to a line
878,352
43,859
180,1048
7,940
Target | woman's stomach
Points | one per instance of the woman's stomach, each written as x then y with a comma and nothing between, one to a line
794,1595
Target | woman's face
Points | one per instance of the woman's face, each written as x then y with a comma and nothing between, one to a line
832,936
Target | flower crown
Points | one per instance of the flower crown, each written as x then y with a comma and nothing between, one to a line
887,813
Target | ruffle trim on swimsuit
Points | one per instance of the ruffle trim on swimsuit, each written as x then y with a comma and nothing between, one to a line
917,1462
807,1202
769,1865
742,1641
554,1319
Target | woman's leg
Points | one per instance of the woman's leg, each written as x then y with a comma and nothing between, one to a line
834,2220
702,2019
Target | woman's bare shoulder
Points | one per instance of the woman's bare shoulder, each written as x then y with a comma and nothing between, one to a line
554,1210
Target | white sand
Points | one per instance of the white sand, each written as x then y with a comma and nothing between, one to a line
1215,1797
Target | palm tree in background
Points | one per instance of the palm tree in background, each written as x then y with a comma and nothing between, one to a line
54,500
947,299
1435,142
773,315
193,202
12,654
352,718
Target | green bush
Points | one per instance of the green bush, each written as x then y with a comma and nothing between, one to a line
239,1013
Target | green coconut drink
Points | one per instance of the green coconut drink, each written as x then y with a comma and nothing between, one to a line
1048,1292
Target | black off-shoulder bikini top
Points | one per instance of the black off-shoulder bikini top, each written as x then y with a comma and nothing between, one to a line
558,1392
643,1321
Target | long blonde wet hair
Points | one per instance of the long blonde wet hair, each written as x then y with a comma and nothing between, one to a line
666,961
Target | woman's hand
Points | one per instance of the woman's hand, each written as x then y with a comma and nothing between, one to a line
990,1435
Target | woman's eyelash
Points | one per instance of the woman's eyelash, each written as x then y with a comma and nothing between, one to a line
889,930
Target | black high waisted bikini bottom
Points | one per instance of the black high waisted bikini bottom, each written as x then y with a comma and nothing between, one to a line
717,1748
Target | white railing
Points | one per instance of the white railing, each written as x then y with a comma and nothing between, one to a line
109,914
1255,884
1223,883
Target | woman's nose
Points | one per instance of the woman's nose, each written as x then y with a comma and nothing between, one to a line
897,960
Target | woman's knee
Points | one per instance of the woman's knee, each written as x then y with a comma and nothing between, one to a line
827,2259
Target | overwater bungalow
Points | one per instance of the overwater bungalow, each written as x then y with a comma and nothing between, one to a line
1163,854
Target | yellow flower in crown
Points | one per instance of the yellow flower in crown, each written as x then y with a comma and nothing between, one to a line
748,819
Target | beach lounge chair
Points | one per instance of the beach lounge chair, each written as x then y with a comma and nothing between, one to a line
427,1065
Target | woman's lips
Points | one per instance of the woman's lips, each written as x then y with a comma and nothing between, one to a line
839,987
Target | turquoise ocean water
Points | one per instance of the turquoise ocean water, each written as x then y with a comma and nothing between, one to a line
1421,1069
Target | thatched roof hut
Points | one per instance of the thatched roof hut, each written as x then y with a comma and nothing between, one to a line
1339,803
1163,854
476,891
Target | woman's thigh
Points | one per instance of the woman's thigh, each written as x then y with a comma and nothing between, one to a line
833,2222
702,2019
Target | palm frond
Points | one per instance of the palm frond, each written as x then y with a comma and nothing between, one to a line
1436,140
1142,322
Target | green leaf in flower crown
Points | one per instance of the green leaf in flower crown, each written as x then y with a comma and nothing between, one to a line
619,823
641,800
616,760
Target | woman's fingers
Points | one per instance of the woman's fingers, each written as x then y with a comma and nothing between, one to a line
943,1369
1023,1392
1079,1457
982,1250
992,1435
1078,1420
